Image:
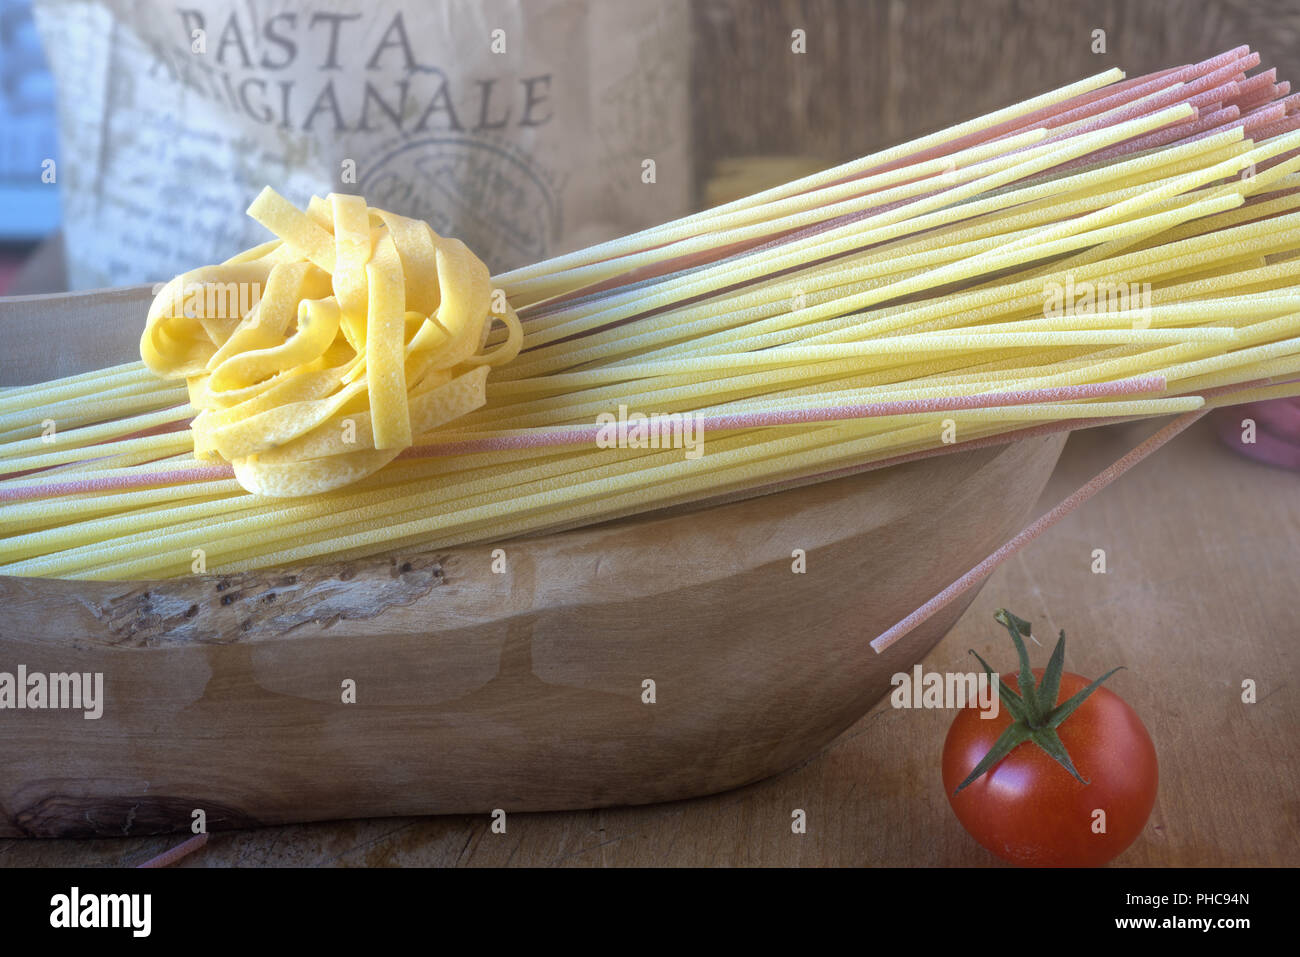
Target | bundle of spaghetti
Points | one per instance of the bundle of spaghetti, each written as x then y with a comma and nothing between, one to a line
1111,250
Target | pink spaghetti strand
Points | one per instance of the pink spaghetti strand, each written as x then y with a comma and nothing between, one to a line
117,483
177,853
1032,531
747,420
588,434
990,441
575,436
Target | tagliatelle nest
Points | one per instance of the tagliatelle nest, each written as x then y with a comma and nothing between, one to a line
369,331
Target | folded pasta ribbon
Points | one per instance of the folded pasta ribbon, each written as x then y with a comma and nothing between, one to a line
316,358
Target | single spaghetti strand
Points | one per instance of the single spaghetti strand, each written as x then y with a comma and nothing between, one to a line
178,853
986,567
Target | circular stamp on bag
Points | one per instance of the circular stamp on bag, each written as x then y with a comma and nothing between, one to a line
494,199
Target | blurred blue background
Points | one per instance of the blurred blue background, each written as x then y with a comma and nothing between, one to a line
28,137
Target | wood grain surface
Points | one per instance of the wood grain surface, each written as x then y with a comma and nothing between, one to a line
1200,593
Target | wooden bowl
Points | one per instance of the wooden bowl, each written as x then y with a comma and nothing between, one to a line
476,690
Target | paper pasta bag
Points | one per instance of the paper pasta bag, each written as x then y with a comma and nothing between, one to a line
521,128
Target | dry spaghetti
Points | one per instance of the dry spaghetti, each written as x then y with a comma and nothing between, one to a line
1110,250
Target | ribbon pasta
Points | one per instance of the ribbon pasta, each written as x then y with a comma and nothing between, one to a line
369,332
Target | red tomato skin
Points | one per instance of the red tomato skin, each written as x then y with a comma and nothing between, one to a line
1028,809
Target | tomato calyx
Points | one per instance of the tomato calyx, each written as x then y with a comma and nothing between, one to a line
1034,712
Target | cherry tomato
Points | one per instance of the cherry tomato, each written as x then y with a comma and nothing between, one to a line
1028,809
